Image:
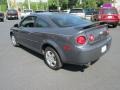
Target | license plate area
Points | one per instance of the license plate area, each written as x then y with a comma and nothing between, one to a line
103,49
109,17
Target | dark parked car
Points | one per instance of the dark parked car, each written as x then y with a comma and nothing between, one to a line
2,16
11,14
62,38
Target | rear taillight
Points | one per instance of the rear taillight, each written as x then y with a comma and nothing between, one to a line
91,37
81,40
99,17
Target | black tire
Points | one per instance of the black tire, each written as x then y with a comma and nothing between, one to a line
55,62
17,18
14,41
115,25
93,62
2,20
92,19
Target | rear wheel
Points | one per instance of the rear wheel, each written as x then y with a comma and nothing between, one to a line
52,59
114,25
17,18
2,20
14,42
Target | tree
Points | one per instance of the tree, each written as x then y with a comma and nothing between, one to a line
101,2
3,1
54,4
89,4
63,4
25,4
72,3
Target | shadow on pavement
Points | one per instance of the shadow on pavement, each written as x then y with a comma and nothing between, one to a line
32,52
68,67
74,68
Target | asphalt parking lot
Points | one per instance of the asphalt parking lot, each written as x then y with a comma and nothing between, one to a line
22,69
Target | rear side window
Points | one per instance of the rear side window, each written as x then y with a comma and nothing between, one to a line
41,23
28,21
110,11
89,12
76,11
68,20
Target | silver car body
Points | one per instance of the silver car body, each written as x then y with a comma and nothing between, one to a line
63,39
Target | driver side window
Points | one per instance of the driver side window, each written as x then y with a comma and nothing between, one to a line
28,22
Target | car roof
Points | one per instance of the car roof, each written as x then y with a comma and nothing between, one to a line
107,8
47,14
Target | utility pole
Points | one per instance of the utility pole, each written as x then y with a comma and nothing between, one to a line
8,4
47,5
80,1
113,2
29,4
36,5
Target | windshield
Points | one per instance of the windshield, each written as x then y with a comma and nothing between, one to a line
110,11
76,11
68,20
27,11
89,12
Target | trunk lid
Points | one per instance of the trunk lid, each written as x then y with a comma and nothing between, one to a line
98,31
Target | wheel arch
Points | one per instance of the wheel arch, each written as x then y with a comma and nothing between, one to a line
55,46
11,33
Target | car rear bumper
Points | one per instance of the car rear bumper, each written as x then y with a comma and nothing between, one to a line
12,17
111,21
88,17
1,17
82,56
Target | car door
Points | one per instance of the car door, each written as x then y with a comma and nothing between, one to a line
26,28
38,34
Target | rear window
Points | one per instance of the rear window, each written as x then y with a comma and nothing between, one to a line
27,11
68,20
76,11
110,11
11,11
89,12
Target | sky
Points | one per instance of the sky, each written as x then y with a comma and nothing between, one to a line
31,0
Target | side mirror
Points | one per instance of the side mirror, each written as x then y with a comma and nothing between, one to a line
16,25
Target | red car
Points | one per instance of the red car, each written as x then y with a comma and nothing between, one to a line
109,16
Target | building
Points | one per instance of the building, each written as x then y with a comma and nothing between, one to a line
116,3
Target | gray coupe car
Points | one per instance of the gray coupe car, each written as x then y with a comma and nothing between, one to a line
62,38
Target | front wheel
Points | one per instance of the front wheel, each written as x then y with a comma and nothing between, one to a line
52,59
14,42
